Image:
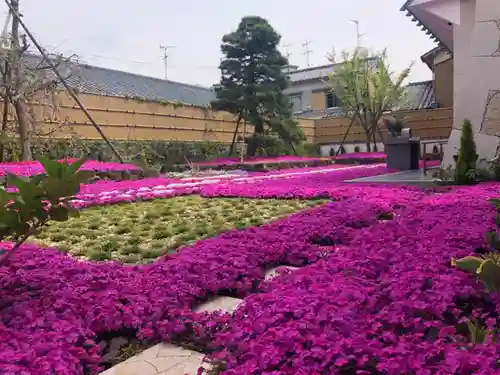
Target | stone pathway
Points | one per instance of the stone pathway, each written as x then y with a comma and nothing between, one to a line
167,359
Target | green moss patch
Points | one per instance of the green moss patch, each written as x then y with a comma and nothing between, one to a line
141,232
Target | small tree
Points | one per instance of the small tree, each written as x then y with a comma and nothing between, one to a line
252,83
367,88
38,200
465,171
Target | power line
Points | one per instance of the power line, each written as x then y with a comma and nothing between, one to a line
165,57
307,52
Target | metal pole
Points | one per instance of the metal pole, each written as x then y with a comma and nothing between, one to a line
17,17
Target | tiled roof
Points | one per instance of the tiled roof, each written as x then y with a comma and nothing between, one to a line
103,81
330,112
307,74
419,95
316,72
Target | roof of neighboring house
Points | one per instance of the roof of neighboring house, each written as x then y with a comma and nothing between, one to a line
314,115
429,57
91,79
409,13
316,72
419,95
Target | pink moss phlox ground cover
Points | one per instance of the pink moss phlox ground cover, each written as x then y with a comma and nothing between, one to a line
31,168
360,156
54,308
259,159
388,302
308,186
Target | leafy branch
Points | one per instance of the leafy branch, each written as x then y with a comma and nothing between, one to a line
38,200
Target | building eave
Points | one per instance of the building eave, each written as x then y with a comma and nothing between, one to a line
425,28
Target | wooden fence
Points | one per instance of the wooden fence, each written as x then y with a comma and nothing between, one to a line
123,118
132,119
425,123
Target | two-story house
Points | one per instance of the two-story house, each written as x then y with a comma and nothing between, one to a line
309,93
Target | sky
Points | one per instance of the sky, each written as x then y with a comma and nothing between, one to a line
126,35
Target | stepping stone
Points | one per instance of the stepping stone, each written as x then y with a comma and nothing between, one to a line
161,359
225,304
274,272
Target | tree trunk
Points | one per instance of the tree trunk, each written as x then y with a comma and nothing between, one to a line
374,138
5,119
21,113
24,131
368,142
233,142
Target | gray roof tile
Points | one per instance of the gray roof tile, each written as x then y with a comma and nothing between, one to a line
103,81
419,95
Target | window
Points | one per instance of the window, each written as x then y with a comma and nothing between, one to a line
332,100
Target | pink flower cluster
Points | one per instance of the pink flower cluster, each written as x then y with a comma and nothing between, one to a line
372,297
279,184
31,168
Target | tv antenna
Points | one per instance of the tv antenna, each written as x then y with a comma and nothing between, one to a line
358,35
307,52
287,53
165,58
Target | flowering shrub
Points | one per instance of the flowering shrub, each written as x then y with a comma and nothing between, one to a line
32,168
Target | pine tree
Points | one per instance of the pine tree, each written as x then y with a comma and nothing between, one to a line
252,82
467,156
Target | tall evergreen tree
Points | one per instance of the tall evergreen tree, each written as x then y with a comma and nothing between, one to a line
252,83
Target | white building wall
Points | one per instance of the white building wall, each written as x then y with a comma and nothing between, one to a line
476,51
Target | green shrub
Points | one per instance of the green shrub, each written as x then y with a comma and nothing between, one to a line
467,156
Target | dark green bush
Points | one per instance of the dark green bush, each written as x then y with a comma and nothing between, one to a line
465,170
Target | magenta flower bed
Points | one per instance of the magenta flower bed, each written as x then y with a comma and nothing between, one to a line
31,168
372,298
361,156
258,160
54,307
387,303
308,186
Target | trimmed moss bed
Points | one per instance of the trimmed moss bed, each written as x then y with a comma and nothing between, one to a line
143,231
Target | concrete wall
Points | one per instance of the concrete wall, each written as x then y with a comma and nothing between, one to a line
476,77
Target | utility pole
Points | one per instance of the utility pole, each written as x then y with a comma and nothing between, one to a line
165,58
307,52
